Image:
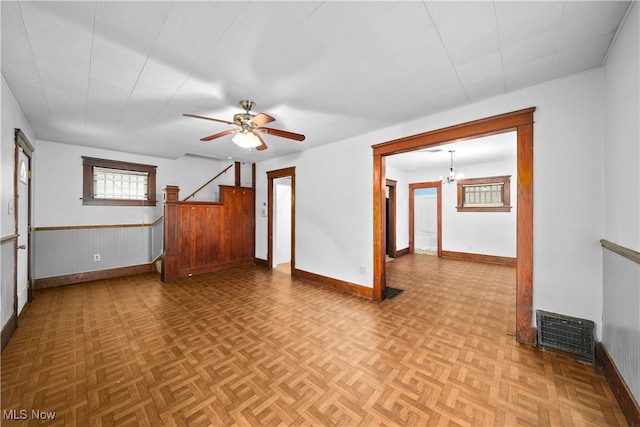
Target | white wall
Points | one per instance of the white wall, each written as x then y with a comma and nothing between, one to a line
334,221
621,177
621,152
11,118
333,203
58,185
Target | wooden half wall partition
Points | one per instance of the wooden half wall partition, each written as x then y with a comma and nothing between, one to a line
520,121
201,237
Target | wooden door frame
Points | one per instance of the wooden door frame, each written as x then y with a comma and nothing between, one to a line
434,184
271,176
522,122
392,184
21,142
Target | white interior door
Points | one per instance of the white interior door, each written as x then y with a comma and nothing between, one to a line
282,221
22,257
426,220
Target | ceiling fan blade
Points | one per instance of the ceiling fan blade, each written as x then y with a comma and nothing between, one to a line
262,145
261,119
283,134
217,135
209,118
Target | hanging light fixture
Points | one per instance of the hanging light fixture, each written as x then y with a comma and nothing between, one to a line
451,177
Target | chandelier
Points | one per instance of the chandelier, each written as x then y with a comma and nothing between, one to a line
451,176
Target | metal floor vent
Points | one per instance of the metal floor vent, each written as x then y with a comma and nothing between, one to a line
570,334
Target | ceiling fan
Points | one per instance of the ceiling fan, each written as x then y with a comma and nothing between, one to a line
250,126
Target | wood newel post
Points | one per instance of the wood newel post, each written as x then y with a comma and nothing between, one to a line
170,260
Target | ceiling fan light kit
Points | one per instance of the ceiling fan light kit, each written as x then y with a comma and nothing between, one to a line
251,126
246,139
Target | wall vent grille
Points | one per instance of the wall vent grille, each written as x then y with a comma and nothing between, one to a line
570,334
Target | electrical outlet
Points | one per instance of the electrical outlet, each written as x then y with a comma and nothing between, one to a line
96,257
363,270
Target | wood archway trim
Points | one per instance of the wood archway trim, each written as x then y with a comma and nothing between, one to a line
522,122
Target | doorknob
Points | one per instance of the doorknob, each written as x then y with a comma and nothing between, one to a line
22,247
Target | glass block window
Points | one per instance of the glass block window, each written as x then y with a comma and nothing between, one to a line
484,194
109,182
117,184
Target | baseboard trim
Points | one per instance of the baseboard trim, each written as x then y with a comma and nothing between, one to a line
261,262
336,284
402,252
621,391
487,259
7,330
72,279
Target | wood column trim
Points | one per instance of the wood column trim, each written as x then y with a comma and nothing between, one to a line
379,230
170,253
524,236
238,176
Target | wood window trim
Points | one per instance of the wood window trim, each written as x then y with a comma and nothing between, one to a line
88,163
505,180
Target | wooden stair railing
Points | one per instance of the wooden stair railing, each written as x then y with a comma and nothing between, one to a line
207,183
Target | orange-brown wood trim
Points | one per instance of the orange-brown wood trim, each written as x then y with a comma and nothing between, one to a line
505,180
522,122
524,235
339,285
237,177
487,259
627,402
433,184
459,132
170,255
379,230
71,279
271,175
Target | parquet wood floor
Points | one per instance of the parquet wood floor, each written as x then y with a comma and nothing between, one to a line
253,347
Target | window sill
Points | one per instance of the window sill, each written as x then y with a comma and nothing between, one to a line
484,209
117,202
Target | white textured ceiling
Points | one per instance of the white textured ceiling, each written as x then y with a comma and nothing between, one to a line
119,75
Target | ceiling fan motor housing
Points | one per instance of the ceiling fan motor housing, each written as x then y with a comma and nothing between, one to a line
242,118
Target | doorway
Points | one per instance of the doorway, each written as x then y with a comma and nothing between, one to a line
281,188
282,225
391,218
425,218
23,291
522,122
